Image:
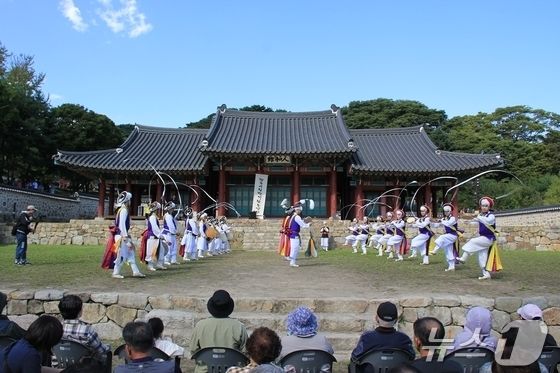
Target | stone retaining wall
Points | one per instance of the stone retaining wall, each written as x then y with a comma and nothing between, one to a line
342,320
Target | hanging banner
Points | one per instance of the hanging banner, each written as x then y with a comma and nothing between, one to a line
259,195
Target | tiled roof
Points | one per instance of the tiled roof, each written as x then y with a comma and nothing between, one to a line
256,133
166,149
410,151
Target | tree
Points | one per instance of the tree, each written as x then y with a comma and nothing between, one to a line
207,121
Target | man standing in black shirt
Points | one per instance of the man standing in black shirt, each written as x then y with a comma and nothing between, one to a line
22,230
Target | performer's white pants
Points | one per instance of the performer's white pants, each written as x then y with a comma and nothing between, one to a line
418,244
295,245
445,241
360,240
325,242
201,245
125,254
481,245
374,239
350,239
171,255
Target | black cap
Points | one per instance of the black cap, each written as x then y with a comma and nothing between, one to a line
220,305
387,311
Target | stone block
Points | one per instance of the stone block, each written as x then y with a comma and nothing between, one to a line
473,301
82,295
17,307
142,315
353,306
189,304
161,302
508,304
49,294
451,331
77,240
105,298
415,301
133,300
108,331
555,332
51,307
458,315
24,320
91,240
542,302
254,305
21,294
342,324
35,306
500,319
121,315
551,316
446,300
553,300
410,314
443,314
93,312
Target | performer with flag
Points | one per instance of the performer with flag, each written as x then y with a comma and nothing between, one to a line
485,244
397,242
170,232
448,240
421,242
123,248
284,245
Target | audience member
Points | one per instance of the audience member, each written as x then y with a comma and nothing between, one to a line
70,307
139,339
428,336
164,344
8,328
404,368
25,356
476,332
219,330
263,348
533,312
301,325
385,335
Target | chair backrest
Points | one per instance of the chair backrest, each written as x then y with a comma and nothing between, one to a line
550,358
155,352
69,352
308,361
5,341
380,361
219,359
471,358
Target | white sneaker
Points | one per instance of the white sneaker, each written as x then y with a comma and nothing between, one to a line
364,253
175,263
390,255
159,266
294,265
140,275
287,257
449,269
485,277
461,260
117,276
167,263
151,269
399,260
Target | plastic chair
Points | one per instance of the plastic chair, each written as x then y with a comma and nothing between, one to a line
219,359
380,361
550,357
471,358
5,341
69,352
308,361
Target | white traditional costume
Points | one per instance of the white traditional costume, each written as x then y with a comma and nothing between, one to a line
389,231
397,242
324,236
376,230
420,243
361,238
170,232
447,240
353,228
157,244
295,240
126,252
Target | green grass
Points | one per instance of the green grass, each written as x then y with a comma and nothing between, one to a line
257,272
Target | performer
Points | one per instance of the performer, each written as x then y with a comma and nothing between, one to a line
170,232
448,240
156,245
295,240
377,231
123,246
421,242
225,233
201,242
361,238
284,244
485,242
353,228
397,242
389,231
191,235
324,236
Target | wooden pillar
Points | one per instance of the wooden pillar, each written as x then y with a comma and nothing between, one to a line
221,191
159,190
358,200
332,194
112,199
428,199
295,186
198,203
101,200
136,198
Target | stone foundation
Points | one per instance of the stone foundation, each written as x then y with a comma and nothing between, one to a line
342,320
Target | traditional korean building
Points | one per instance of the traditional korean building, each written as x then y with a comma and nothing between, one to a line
304,155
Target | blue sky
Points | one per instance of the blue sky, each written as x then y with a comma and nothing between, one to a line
166,63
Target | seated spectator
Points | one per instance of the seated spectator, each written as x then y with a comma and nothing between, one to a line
8,328
302,327
139,339
476,332
510,337
70,307
25,355
428,336
385,335
533,312
263,348
219,330
164,344
85,365
404,368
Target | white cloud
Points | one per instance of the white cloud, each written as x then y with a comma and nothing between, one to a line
55,97
126,19
72,12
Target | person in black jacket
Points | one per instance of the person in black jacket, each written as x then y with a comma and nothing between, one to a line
22,230
8,328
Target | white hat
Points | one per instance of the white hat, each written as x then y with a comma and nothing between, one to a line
123,198
530,312
154,206
31,207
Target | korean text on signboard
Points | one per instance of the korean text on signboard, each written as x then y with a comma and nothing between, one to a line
277,159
